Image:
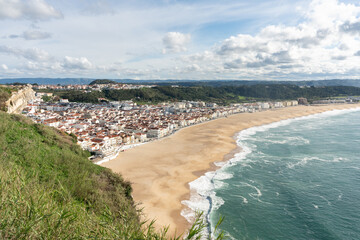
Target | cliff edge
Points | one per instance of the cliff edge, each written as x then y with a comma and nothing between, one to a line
19,99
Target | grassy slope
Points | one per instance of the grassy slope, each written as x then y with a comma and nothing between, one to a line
49,190
5,94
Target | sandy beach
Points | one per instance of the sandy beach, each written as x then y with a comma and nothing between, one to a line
161,170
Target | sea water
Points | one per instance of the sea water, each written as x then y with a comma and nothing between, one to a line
293,179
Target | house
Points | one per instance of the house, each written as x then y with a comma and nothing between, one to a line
141,137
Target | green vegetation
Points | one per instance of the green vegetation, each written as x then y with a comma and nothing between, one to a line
221,95
50,190
46,98
102,81
5,94
79,96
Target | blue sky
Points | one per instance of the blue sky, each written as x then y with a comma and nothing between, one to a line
223,39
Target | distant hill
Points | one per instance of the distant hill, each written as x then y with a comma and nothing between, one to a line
219,83
102,81
221,94
52,81
214,83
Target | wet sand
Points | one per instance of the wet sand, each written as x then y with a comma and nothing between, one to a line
161,170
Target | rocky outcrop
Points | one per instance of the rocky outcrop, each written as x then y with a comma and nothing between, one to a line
18,100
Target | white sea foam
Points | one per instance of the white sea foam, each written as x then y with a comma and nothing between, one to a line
340,159
340,196
302,162
289,140
257,194
244,199
306,160
222,175
203,196
325,199
113,156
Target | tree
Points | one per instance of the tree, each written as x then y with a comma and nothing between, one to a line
46,98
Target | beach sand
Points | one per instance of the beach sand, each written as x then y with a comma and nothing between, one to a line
161,170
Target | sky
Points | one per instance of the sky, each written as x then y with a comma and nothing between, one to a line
180,39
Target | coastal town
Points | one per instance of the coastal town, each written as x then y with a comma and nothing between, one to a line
174,119
107,129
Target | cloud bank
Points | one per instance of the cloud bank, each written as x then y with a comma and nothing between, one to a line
181,39
326,42
32,35
28,9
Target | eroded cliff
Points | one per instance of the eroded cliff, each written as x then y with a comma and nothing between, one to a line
19,99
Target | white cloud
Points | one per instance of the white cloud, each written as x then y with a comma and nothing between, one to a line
326,13
35,35
352,28
193,68
4,67
271,39
34,54
175,42
240,44
27,9
340,57
107,24
313,46
98,7
32,35
5,71
77,63
205,56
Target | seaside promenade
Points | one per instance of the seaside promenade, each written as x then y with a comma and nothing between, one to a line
161,170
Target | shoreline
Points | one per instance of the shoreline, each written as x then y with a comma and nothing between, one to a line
129,146
160,171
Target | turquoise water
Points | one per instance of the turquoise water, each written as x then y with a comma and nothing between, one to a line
295,179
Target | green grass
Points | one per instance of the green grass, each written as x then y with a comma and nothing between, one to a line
46,178
5,94
50,190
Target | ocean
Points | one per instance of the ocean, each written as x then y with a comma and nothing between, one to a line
293,179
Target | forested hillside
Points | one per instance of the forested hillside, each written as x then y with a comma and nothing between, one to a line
102,81
222,95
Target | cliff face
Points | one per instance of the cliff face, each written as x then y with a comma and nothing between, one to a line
18,100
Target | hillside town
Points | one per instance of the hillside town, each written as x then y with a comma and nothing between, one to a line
107,129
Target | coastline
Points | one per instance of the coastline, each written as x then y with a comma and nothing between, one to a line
161,171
